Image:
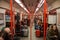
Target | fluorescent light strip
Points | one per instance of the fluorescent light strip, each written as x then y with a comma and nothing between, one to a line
17,1
21,4
39,5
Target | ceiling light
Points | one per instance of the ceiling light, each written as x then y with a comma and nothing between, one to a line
17,1
21,4
37,9
39,5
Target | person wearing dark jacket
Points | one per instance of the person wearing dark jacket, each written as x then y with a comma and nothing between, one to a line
6,34
52,33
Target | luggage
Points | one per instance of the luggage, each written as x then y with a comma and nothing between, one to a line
25,32
37,33
17,17
22,33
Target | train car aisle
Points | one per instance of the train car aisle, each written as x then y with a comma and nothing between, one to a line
33,35
26,38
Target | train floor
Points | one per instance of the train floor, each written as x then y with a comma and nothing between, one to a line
33,35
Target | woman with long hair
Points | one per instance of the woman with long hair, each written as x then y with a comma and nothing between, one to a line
52,33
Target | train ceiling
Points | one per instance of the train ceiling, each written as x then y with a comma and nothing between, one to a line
31,5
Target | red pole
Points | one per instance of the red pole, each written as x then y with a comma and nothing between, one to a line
45,19
11,18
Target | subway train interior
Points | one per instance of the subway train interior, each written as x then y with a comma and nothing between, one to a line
29,19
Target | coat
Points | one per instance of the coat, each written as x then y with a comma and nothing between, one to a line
51,35
6,36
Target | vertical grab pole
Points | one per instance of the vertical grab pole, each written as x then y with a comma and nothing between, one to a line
45,19
31,24
30,27
11,18
13,23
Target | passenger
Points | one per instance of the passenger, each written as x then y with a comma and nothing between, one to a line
35,20
22,22
38,25
6,34
1,38
25,21
52,33
49,27
28,22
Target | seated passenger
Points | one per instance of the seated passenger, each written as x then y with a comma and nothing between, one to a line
52,33
6,34
1,38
